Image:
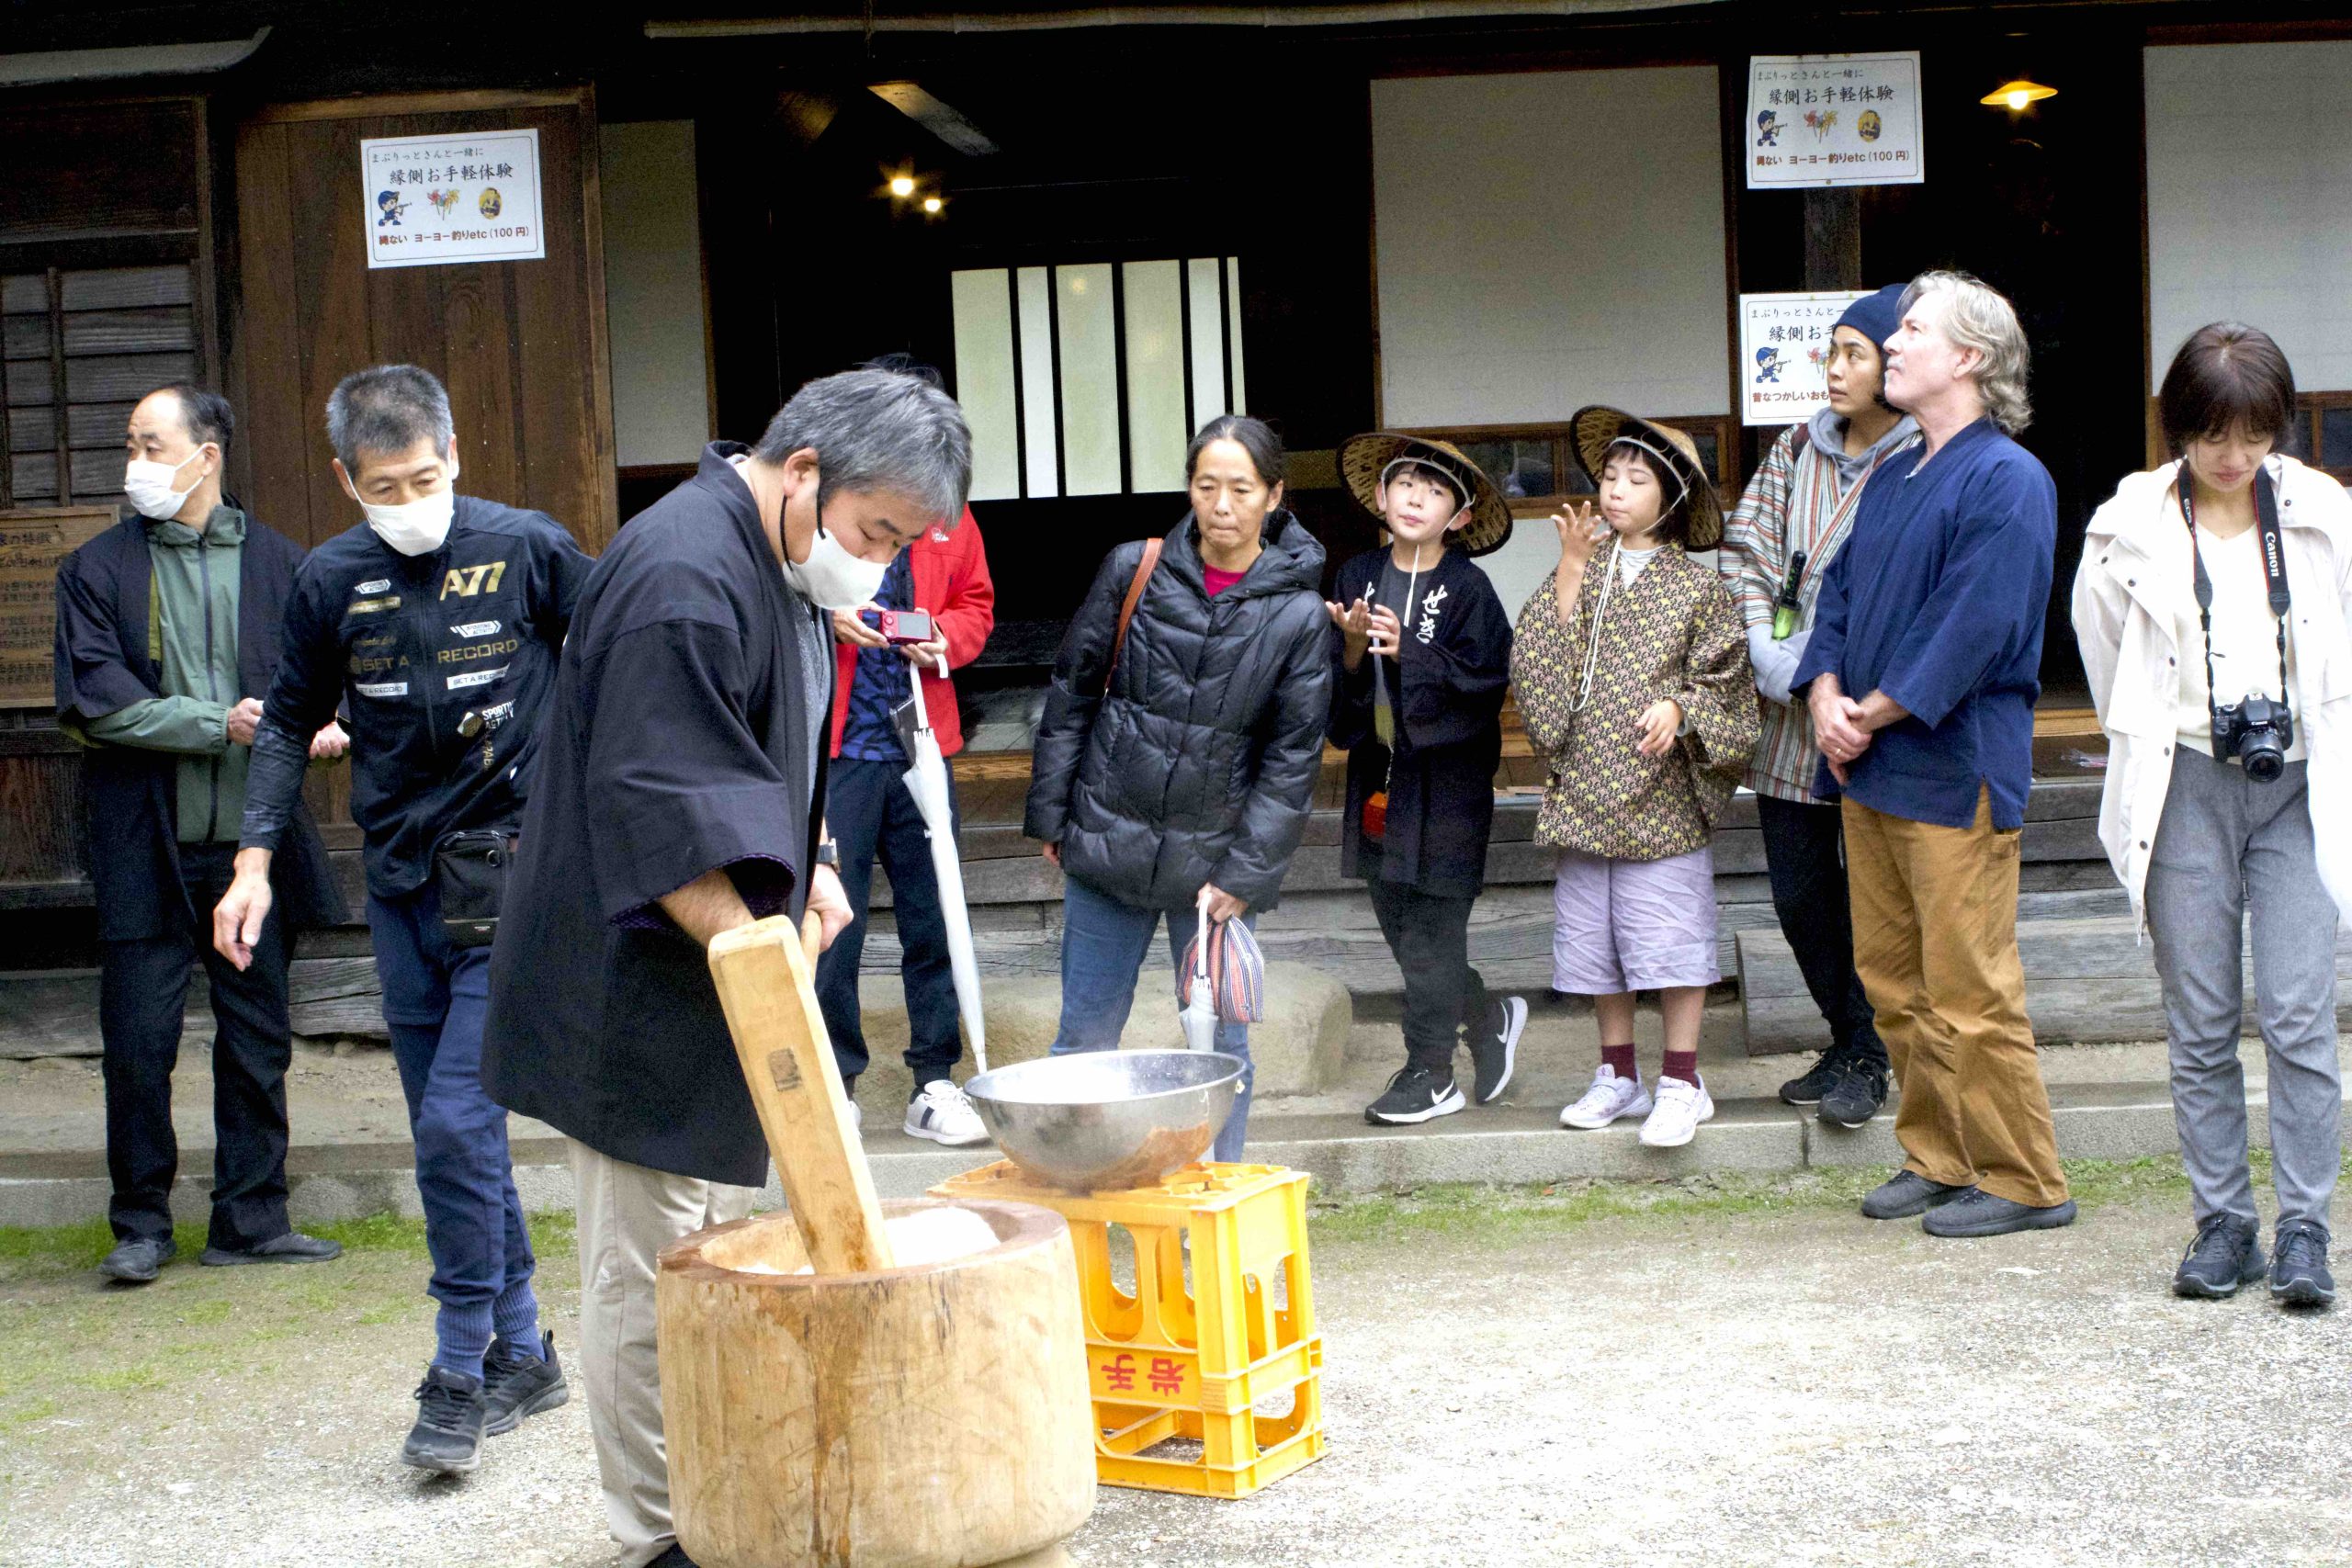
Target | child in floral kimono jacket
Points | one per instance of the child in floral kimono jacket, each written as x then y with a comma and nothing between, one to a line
1630,666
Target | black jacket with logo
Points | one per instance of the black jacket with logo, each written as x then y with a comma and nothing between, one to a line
416,643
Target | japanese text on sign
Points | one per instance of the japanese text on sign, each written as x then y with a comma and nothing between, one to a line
1833,120
1784,354
467,197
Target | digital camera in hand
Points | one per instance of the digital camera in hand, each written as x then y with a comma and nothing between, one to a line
2257,732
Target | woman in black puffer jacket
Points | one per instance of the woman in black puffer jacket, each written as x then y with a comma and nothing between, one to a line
1190,778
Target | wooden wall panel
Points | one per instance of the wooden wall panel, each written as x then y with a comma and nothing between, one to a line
519,345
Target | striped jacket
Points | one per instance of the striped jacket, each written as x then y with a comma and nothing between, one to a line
1791,504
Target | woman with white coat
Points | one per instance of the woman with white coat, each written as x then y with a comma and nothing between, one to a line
2217,808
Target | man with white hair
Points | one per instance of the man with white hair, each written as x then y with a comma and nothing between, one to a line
1921,678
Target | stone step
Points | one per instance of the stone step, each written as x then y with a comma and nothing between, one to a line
2087,980
1508,1145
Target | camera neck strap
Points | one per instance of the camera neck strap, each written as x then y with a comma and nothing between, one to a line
2274,571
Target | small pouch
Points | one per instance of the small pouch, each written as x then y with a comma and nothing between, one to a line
1375,815
469,872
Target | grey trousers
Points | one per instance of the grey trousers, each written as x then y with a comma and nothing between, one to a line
2228,848
628,1213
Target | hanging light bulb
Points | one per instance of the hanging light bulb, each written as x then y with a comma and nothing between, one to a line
932,204
2015,94
902,185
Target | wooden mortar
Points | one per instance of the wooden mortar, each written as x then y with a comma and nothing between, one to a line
935,1415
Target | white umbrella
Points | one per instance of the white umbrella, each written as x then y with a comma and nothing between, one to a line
1200,1007
927,781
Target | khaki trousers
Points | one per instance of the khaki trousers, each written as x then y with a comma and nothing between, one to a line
1936,944
628,1215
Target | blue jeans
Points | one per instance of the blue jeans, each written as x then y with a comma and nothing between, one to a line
435,994
871,812
1104,945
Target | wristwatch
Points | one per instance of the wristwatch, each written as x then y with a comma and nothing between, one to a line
829,853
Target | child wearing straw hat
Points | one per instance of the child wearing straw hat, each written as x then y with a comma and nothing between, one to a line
1420,657
1631,674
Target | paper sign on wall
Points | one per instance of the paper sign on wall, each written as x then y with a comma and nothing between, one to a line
1784,353
471,195
1833,120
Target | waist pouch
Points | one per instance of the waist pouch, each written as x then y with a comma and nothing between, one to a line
469,873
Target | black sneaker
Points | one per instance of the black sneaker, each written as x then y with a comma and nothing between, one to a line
2299,1276
1906,1193
1415,1094
1494,1047
1858,1094
515,1385
1977,1212
291,1247
1819,1079
2226,1255
448,1434
138,1260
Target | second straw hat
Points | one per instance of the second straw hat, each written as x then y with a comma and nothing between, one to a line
1595,428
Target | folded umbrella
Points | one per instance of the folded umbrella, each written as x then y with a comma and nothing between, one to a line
927,781
1200,1007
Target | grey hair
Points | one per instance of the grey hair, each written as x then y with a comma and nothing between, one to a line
386,409
877,430
1983,320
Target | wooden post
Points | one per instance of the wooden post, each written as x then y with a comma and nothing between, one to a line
767,989
1833,238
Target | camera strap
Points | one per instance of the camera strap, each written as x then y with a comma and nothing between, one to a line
2274,573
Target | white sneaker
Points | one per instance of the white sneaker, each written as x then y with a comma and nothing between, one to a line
1682,1106
1610,1098
943,1113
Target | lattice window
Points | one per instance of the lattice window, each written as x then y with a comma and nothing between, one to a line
81,348
1090,379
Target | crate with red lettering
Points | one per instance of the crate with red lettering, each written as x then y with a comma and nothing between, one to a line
1210,1385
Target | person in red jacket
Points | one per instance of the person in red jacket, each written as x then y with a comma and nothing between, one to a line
946,573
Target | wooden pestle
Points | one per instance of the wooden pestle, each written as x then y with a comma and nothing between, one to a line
765,975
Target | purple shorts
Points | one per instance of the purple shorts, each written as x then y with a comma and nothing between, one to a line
1633,925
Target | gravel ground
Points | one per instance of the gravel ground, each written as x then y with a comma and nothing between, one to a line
1739,1375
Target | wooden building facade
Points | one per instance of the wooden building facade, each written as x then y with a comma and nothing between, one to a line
1469,218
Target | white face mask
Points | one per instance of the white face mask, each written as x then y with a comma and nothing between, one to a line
831,578
417,529
149,486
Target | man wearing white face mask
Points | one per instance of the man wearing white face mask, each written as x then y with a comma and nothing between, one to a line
438,621
680,796
167,627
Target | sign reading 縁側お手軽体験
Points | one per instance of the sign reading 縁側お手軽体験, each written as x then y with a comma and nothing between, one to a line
1784,353
471,195
1833,120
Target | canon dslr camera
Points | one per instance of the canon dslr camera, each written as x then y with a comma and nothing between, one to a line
2257,732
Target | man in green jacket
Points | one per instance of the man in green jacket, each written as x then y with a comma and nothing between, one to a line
164,624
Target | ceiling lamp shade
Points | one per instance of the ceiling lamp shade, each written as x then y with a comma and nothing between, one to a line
2017,95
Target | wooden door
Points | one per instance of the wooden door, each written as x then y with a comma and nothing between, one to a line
519,344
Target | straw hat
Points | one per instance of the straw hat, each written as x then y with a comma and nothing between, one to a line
1595,428
1363,458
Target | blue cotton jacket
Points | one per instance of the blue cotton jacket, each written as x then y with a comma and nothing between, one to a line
1938,601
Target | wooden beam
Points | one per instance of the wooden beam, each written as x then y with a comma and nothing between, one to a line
382,105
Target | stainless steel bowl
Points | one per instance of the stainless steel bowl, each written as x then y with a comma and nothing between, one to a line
1107,1120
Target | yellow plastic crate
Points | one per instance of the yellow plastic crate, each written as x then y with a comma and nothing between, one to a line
1168,1362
